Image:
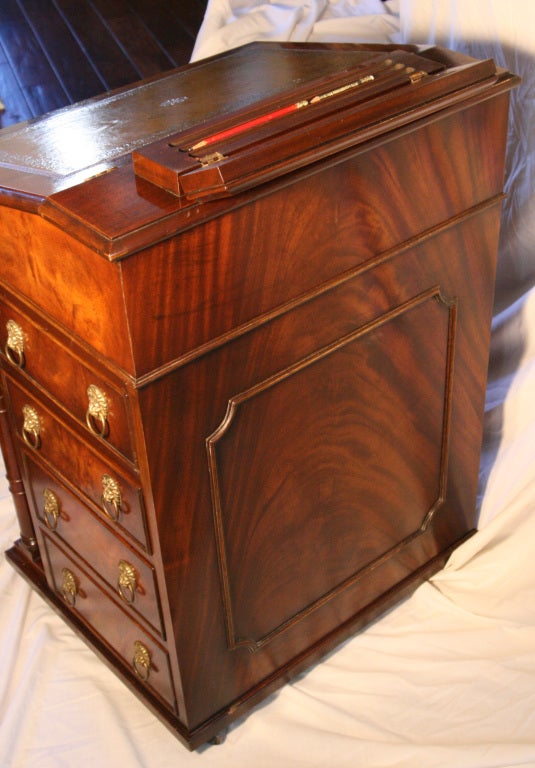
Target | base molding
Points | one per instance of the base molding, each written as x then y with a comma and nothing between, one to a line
212,731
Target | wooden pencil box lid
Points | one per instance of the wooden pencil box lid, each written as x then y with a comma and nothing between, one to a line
139,147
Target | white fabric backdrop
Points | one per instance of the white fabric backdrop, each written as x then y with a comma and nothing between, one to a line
229,23
445,680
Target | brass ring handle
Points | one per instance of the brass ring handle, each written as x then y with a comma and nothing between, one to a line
96,416
110,508
110,498
97,424
68,587
14,347
141,661
127,582
50,509
31,427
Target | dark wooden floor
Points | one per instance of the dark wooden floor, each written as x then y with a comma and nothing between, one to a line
57,52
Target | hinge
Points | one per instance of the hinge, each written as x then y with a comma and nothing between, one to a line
215,157
415,77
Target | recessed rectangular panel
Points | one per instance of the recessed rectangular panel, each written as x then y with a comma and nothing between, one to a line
330,466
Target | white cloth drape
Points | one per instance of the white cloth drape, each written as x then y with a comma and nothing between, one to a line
230,23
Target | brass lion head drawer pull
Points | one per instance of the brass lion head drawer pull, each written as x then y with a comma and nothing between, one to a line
96,416
50,509
127,582
141,661
111,497
69,587
31,427
14,348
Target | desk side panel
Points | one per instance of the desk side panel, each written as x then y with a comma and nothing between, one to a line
296,236
318,462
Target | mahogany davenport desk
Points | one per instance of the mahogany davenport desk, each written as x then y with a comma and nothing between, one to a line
245,311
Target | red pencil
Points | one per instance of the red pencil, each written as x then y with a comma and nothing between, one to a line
229,132
275,114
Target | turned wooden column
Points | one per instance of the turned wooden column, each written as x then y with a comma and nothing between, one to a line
16,485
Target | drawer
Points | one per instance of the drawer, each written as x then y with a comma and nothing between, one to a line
119,565
111,491
138,650
92,399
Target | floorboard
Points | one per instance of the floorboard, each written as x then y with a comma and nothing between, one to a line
72,67
57,52
175,27
139,45
36,78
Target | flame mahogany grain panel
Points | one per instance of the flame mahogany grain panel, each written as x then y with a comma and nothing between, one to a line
354,408
294,241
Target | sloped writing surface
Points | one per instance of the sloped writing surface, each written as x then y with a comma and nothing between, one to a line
345,463
105,128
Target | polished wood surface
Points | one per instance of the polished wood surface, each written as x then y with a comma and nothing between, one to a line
58,52
294,379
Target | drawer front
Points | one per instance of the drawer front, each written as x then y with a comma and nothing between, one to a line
89,397
104,487
140,652
118,565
